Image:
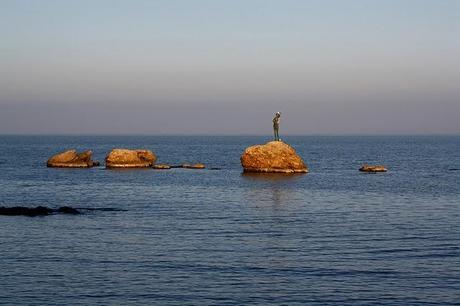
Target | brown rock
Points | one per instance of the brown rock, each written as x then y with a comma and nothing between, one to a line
274,156
194,166
373,168
72,159
124,158
161,166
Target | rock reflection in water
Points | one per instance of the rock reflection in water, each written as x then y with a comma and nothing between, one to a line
272,177
273,188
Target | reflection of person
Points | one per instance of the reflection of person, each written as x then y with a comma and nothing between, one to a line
276,126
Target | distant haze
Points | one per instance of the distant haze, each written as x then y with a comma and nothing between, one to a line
225,67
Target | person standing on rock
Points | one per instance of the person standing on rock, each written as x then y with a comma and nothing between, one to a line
276,126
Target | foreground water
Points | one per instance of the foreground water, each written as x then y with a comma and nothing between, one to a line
217,237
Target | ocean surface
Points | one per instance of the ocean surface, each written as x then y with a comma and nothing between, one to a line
334,236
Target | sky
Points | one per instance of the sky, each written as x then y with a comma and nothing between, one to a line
225,67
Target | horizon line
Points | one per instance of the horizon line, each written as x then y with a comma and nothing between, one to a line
230,135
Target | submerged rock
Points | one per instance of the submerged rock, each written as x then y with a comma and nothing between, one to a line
67,210
72,159
161,166
272,157
124,158
373,168
36,211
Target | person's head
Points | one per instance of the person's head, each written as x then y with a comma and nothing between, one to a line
278,114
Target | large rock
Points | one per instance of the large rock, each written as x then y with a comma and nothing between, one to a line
72,159
274,156
124,158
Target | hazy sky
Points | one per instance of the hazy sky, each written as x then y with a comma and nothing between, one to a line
224,67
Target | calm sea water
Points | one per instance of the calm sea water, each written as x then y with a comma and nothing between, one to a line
216,237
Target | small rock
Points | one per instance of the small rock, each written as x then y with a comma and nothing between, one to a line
373,168
194,166
161,166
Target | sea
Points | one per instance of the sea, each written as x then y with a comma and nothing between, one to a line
334,236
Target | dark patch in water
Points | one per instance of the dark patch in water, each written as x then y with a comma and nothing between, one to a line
46,211
454,169
67,210
36,211
102,209
26,185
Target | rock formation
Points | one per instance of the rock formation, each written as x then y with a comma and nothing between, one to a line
373,168
124,158
72,159
274,156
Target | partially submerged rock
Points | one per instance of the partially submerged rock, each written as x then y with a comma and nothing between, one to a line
272,157
36,211
124,158
373,168
193,166
161,166
189,166
72,159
